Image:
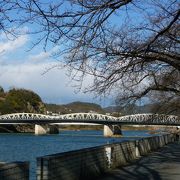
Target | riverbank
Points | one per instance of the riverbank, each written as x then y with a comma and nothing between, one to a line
17,128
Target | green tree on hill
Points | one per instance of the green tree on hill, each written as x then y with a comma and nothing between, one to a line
21,100
1,90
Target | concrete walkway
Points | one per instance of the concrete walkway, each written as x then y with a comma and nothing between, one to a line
160,165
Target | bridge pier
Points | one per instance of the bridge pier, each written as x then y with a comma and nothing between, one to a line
112,131
45,129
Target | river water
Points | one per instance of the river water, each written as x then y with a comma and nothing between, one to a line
27,147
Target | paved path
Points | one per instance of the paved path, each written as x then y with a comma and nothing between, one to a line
161,165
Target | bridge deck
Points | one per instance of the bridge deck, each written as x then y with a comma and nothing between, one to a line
161,165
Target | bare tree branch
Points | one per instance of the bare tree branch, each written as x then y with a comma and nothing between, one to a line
130,47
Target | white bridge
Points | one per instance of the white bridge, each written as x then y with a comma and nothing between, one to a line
91,118
143,119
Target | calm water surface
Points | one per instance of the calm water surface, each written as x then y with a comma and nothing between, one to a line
27,147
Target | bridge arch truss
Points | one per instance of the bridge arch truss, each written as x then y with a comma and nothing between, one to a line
143,119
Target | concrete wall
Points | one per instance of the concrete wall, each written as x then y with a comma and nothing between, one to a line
73,165
14,171
90,163
123,153
152,143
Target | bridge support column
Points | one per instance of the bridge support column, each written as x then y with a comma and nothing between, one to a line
112,131
45,129
39,130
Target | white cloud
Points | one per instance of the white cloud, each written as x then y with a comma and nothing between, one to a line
39,57
53,87
43,56
11,45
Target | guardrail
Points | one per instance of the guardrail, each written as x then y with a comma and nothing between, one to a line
92,162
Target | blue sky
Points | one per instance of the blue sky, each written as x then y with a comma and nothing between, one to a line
21,68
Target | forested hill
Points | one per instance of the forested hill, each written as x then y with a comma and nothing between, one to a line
20,100
75,107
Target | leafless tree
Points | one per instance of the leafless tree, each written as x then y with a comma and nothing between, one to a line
131,47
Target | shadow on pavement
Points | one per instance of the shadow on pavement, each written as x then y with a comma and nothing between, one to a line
160,165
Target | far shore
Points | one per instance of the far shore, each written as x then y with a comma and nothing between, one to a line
30,128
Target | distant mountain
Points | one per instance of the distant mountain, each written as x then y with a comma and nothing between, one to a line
148,108
129,109
75,107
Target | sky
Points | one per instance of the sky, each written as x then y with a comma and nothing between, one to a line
21,67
